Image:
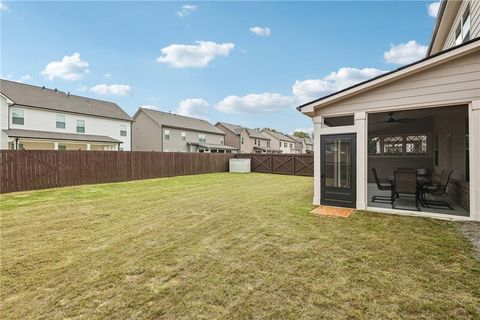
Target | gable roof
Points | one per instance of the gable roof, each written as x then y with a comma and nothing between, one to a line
235,128
256,134
278,135
409,69
172,120
44,98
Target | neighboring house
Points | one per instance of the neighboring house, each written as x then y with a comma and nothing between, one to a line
278,140
298,145
425,115
37,118
308,145
302,145
245,139
163,131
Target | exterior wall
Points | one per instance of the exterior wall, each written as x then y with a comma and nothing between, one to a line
474,22
175,143
247,145
146,133
290,148
3,122
45,120
231,139
446,84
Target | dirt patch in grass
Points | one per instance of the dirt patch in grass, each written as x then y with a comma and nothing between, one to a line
224,246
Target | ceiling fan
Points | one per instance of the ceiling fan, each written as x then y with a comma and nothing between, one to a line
391,119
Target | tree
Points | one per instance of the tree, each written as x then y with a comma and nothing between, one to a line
301,134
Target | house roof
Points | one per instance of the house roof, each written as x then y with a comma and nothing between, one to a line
308,141
438,21
172,120
212,146
49,135
278,135
44,98
256,134
437,58
237,129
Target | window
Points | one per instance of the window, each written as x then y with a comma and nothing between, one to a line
184,136
202,138
285,144
18,116
291,145
62,147
221,141
166,134
268,144
393,145
123,130
462,33
374,146
81,126
242,140
255,141
416,144
60,121
339,121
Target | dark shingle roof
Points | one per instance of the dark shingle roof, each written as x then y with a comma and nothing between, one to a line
33,134
256,134
278,135
37,97
182,122
232,127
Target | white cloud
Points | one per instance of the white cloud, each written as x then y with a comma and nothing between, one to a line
82,88
256,103
25,78
113,89
195,56
107,75
186,9
261,31
311,89
433,9
3,6
405,52
70,68
197,108
150,107
21,79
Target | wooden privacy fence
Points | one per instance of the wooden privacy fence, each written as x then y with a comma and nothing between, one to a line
294,164
39,169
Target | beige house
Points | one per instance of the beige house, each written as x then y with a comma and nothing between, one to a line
281,141
419,121
163,131
38,118
302,145
245,139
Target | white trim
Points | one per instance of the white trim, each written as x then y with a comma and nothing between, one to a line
423,214
474,154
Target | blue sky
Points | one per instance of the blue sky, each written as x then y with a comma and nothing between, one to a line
249,63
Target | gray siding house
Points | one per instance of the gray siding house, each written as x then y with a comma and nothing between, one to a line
245,139
167,132
278,140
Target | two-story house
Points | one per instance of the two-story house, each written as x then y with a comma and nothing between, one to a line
419,121
247,140
308,145
167,132
298,145
38,118
281,141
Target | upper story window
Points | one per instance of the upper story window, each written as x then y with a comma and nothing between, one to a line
18,116
242,140
268,144
60,121
202,138
123,130
184,136
462,33
222,141
285,144
291,145
166,134
81,126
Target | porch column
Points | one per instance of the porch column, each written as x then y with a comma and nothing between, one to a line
317,128
55,146
474,144
361,158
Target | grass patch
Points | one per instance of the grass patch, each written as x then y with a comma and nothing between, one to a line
224,246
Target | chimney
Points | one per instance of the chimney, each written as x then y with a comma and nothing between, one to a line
56,90
43,87
68,93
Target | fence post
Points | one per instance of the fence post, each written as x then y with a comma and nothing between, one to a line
271,162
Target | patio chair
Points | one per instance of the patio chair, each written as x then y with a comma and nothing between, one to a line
437,189
383,185
423,174
406,183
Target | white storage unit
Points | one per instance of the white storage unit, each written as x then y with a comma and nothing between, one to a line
239,165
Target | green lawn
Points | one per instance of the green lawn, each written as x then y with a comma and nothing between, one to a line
224,246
